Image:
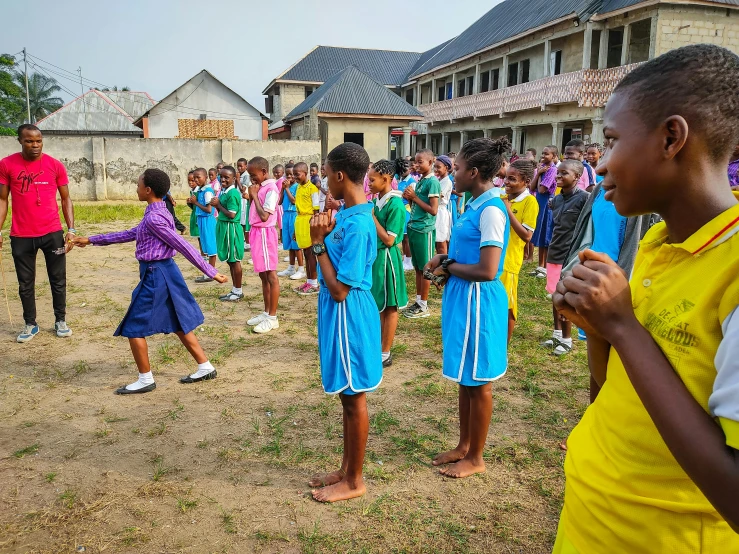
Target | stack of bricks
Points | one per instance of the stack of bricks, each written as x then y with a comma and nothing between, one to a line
206,128
684,25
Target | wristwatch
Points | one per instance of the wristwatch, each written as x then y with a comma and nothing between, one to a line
446,263
319,249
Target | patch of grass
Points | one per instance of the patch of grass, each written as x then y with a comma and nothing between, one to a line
27,450
114,419
100,212
81,367
265,537
382,421
229,525
50,477
185,504
157,431
132,536
101,433
313,540
160,470
68,498
178,409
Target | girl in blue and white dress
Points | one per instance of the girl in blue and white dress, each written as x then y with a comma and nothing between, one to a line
474,310
349,344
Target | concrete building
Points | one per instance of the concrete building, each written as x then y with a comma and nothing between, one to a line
334,114
203,107
541,71
99,113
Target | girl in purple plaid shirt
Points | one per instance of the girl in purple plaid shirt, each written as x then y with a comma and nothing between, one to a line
161,303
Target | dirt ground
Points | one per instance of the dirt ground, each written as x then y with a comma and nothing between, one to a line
222,466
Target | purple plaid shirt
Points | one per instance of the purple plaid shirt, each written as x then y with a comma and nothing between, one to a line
549,179
734,173
156,239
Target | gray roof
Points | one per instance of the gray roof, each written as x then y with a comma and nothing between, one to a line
506,20
100,112
607,6
353,92
386,66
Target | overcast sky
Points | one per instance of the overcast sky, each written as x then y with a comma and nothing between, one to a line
156,45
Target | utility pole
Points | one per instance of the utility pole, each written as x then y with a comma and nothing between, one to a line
82,93
28,100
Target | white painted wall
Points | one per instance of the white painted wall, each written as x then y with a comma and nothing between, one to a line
204,94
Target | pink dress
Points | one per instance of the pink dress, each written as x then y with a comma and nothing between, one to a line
263,234
279,209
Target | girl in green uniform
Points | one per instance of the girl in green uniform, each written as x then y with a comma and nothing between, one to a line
388,278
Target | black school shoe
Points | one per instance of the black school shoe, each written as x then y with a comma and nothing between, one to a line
142,390
207,377
388,362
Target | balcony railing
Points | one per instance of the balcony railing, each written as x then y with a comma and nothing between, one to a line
587,87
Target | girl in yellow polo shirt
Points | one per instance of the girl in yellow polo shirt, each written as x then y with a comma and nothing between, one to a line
653,466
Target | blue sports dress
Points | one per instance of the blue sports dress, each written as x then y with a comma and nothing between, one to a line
206,224
349,346
474,315
289,214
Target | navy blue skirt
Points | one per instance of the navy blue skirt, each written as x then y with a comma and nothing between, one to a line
543,233
161,303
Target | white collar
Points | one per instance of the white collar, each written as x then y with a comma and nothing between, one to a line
228,189
385,199
521,196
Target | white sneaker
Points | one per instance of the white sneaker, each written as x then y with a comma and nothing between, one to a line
286,259
408,265
298,275
289,272
247,247
266,326
256,320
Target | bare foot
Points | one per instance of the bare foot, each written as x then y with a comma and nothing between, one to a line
463,468
342,490
449,457
326,479
563,445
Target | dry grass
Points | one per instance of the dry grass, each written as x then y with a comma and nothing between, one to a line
222,466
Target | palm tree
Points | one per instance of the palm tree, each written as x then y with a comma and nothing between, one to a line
115,89
40,90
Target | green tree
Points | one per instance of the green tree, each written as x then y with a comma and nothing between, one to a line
40,90
11,95
116,89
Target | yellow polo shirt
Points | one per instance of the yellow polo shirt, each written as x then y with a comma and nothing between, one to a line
525,209
625,492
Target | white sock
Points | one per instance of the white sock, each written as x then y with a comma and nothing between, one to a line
313,282
291,266
236,291
144,380
568,342
272,317
418,298
557,334
301,269
385,356
422,303
203,369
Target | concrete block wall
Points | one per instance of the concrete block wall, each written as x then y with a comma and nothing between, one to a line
681,25
108,168
289,98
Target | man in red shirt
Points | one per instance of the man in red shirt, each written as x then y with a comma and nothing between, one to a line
33,178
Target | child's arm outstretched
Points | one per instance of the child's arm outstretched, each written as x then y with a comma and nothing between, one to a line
118,237
597,296
321,225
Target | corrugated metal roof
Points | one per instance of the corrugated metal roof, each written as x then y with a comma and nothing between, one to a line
386,66
607,6
506,20
98,111
353,92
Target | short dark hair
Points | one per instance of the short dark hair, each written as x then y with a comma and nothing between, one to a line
526,168
451,154
709,102
158,181
532,150
402,165
384,167
289,166
314,164
200,170
241,160
301,166
212,169
426,152
574,165
351,159
595,145
27,127
279,166
259,162
551,147
229,168
577,144
486,154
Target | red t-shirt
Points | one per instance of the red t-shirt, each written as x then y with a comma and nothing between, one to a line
33,187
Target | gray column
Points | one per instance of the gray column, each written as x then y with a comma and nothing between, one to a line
98,168
558,134
418,97
587,48
476,86
504,73
432,97
516,138
464,136
625,45
486,133
547,55
597,133
444,143
454,85
603,49
428,140
406,141
653,38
